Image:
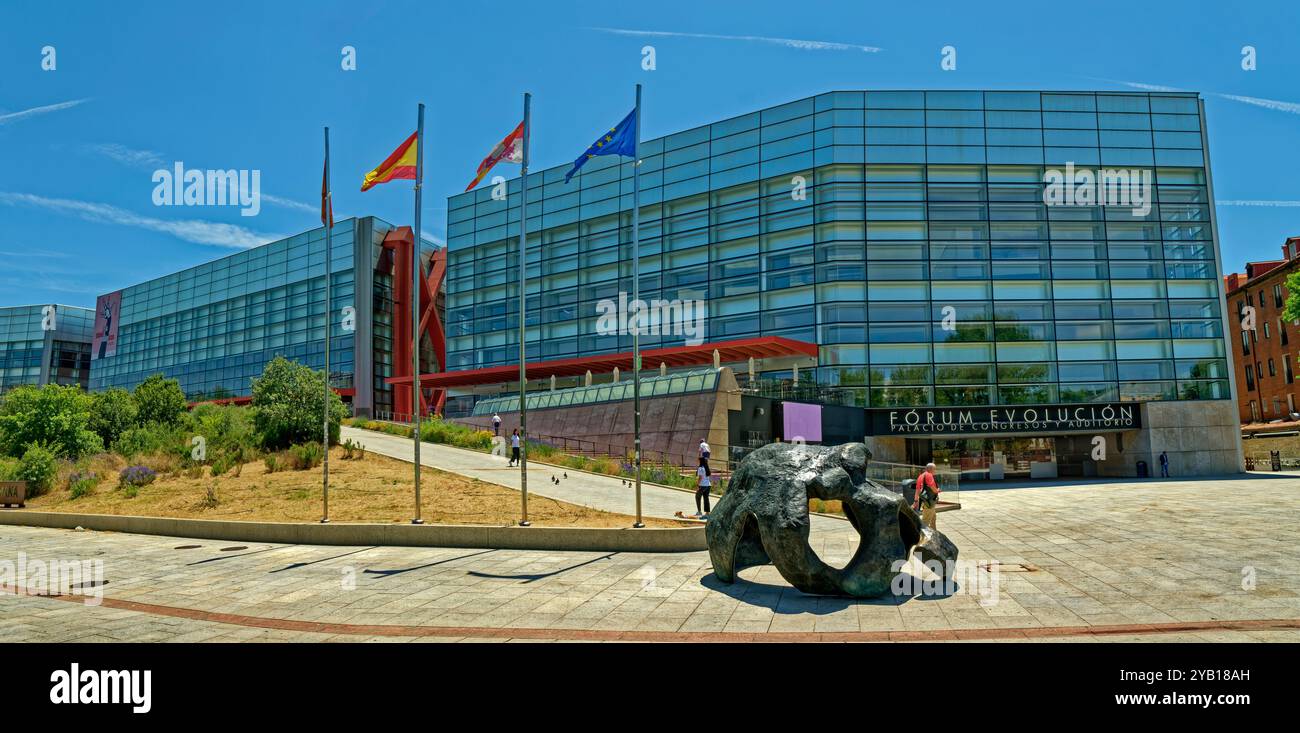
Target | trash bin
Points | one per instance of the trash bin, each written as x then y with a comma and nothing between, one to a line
1143,470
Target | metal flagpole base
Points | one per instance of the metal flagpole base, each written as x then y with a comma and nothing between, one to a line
638,525
324,521
525,523
417,521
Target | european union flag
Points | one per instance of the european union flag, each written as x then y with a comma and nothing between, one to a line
620,140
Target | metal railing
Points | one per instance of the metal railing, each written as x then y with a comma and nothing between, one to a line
595,449
801,391
892,476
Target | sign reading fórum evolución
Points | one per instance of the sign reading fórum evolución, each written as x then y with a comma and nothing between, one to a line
1006,419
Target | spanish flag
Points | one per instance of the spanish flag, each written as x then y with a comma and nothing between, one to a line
401,164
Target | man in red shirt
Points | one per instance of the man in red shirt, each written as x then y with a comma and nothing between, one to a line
923,482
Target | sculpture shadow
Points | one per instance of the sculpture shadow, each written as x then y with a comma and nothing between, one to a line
788,600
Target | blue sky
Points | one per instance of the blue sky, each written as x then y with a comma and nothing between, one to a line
248,85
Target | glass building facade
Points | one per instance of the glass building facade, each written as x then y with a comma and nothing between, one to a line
214,326
45,344
904,232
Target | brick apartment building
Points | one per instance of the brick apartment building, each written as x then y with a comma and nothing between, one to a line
1268,355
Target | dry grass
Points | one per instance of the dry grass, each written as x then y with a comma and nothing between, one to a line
372,489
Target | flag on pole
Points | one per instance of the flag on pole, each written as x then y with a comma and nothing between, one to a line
401,164
620,140
511,150
326,202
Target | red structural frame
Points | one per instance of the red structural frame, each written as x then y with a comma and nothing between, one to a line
399,241
673,356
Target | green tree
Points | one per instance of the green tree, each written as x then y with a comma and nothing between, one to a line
55,416
159,400
112,412
288,405
1291,309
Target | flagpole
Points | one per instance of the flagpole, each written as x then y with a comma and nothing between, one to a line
636,298
523,329
329,231
415,311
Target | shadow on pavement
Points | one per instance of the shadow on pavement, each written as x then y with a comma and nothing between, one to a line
399,571
783,599
296,565
528,578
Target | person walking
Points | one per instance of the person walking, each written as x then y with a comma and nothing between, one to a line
514,448
496,424
704,453
1164,464
927,495
703,485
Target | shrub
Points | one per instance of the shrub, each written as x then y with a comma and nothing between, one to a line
38,467
222,464
225,427
54,416
209,500
272,462
159,400
305,456
437,430
78,476
136,476
353,450
163,463
8,469
131,492
288,405
242,456
152,439
112,412
82,483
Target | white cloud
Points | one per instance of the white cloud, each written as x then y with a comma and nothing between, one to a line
291,204
1256,202
803,45
1272,104
1147,87
147,159
190,230
34,111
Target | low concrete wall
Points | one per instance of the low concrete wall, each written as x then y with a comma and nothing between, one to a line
686,539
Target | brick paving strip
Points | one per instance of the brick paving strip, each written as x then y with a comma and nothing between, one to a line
399,630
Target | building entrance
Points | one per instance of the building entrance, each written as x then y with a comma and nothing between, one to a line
980,459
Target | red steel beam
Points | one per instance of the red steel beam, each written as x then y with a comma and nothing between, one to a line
729,351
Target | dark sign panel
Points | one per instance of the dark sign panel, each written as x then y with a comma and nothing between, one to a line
1046,419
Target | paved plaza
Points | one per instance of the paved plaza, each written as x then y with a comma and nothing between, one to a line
1189,560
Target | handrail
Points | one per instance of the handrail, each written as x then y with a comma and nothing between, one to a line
593,448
